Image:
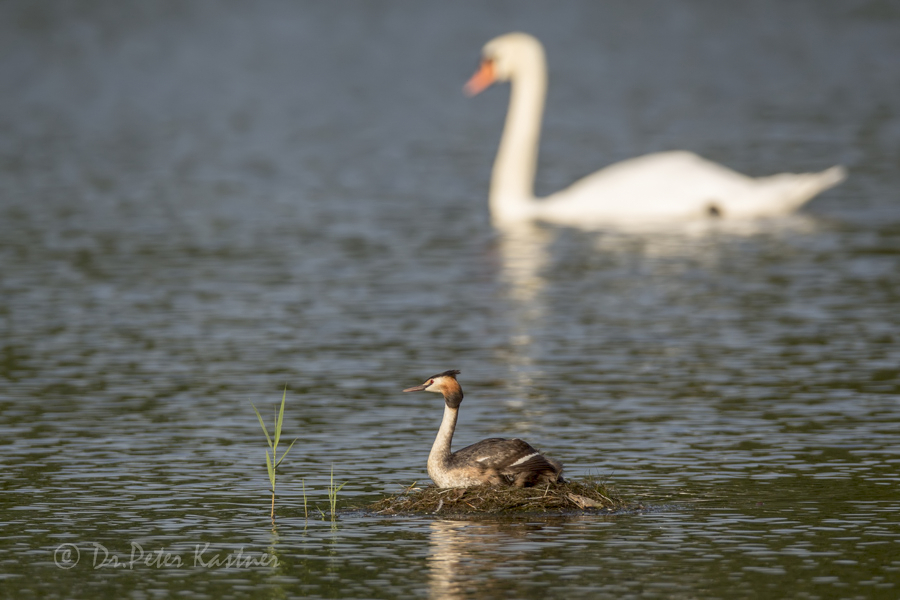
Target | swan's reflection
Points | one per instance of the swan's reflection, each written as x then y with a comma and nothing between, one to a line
552,277
525,254
525,250
524,257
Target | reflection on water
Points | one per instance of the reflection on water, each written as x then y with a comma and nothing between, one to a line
524,253
492,559
200,205
454,564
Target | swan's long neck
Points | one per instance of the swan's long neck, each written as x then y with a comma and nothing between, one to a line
512,180
440,450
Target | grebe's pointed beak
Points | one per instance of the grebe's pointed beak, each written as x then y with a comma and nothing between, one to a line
418,388
482,79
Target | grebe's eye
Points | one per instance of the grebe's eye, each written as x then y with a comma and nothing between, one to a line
430,381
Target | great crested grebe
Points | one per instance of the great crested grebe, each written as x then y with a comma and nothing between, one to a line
494,461
664,186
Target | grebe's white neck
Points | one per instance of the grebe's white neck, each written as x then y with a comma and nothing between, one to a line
439,457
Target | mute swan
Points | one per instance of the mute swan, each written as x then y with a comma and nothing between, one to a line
664,186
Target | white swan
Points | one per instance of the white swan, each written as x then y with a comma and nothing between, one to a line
664,186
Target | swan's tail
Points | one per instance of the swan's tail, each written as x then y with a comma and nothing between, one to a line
830,177
789,191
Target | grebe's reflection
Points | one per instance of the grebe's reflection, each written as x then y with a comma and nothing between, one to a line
487,559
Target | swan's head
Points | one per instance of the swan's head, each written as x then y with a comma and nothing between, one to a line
503,58
443,383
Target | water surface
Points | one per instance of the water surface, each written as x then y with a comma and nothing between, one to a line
202,204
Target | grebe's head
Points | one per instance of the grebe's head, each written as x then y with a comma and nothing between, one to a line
443,383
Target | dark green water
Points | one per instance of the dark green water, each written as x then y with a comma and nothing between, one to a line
202,204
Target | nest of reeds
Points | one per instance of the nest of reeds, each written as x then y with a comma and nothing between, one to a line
572,496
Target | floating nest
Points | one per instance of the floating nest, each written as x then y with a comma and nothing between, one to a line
581,496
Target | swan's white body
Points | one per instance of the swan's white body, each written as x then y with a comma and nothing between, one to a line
663,187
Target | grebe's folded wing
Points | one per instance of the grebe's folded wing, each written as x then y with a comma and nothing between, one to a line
506,455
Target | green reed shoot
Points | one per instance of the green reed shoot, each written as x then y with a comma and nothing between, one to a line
271,462
333,492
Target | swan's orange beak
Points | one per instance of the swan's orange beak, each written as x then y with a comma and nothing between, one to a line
481,80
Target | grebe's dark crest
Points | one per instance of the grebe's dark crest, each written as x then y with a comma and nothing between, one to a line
495,461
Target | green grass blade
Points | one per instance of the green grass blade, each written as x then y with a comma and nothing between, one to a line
263,425
271,469
285,452
280,418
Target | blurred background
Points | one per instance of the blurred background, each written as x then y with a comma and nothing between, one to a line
201,203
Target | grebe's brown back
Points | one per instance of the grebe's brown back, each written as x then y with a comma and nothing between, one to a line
495,461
